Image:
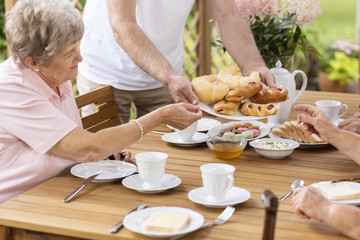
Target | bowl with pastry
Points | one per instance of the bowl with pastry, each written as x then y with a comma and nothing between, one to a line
295,131
237,97
227,146
273,148
249,129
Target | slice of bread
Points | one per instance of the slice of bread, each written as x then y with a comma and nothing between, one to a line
166,221
338,191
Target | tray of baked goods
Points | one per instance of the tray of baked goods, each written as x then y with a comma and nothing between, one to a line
233,96
295,131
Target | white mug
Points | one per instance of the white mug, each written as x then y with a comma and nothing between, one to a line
332,108
187,134
217,179
151,167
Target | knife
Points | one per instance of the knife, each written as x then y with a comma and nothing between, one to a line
76,191
345,179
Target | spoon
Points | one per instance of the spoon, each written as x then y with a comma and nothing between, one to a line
296,184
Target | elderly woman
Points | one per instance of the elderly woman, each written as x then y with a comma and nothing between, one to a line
40,128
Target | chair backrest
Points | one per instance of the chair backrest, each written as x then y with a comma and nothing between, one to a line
106,114
271,204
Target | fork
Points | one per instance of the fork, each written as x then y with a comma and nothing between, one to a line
221,219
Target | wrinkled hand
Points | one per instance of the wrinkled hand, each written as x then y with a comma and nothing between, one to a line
309,203
265,74
181,90
351,124
124,155
180,115
315,120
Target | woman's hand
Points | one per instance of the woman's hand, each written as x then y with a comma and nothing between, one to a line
180,115
124,155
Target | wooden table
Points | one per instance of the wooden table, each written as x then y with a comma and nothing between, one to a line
41,214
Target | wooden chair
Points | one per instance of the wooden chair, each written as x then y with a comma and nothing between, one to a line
271,204
107,113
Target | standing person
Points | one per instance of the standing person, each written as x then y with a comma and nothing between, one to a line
136,46
41,132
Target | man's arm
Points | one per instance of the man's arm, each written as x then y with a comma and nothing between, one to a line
237,37
143,52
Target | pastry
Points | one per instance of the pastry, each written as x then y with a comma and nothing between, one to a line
206,90
270,95
253,77
228,77
225,107
258,110
243,92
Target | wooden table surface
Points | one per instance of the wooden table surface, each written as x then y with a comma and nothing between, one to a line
41,214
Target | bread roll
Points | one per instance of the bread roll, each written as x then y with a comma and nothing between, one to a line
166,221
258,110
206,90
225,107
338,191
243,92
228,77
271,95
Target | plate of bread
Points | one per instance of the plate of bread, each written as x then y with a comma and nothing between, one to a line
232,96
163,222
340,192
295,131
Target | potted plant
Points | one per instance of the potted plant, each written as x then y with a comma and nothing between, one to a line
277,28
339,68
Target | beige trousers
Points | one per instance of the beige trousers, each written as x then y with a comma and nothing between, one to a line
144,101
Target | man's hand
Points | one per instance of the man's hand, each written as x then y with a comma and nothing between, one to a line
265,74
181,90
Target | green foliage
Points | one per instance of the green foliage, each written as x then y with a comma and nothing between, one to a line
3,43
342,68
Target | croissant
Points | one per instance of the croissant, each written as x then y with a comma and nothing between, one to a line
206,90
270,95
258,110
228,77
225,107
253,77
243,92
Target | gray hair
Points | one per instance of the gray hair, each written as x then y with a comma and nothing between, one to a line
41,29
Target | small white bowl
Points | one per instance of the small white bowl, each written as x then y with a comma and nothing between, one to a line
274,151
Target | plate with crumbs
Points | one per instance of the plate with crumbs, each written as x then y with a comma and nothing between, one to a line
135,221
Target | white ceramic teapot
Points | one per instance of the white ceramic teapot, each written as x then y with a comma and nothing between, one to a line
285,79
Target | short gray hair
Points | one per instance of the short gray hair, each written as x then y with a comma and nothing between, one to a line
41,29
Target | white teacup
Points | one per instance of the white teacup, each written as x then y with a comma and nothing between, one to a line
187,134
217,179
332,108
151,167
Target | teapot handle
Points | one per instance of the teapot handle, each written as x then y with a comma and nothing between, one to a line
303,87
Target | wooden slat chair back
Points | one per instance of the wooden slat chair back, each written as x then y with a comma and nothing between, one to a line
271,204
106,114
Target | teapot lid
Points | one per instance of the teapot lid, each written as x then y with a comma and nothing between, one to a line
279,70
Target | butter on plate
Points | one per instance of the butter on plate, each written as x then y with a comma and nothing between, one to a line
166,221
338,191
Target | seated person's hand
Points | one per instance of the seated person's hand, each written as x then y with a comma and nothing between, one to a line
180,115
309,203
351,124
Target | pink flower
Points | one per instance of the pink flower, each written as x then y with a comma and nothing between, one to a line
253,8
305,10
345,46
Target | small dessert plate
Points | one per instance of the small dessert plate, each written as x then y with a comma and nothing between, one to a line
167,182
134,221
175,138
234,196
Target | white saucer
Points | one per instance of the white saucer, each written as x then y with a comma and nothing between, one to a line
134,220
112,170
235,195
175,138
167,182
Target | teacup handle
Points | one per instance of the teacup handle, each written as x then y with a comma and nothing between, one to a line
229,183
303,85
346,108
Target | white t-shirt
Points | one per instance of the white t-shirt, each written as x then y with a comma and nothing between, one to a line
105,62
